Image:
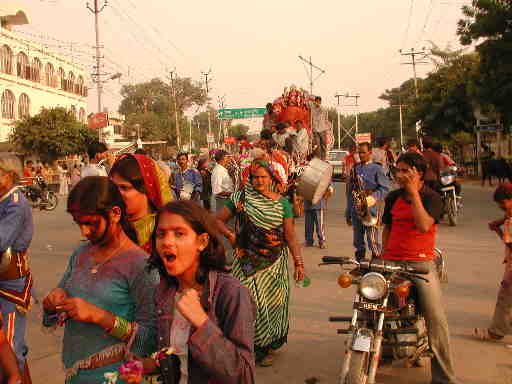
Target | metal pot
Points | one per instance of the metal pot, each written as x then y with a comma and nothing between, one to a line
314,180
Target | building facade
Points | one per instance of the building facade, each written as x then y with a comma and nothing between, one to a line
33,77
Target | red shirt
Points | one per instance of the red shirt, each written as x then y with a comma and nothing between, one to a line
405,241
27,174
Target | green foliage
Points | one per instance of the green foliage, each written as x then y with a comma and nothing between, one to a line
489,23
238,130
152,106
447,97
51,134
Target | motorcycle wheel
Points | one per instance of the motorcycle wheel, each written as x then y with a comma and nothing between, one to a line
358,370
51,201
440,263
452,212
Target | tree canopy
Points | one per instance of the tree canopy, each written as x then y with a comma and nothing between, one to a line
152,106
52,133
489,23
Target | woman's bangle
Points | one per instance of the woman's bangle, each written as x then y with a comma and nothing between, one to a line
122,329
299,263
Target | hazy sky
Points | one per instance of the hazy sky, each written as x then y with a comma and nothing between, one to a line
252,47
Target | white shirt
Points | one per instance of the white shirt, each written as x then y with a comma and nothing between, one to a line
221,181
93,170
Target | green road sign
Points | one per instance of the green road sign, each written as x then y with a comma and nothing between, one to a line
240,113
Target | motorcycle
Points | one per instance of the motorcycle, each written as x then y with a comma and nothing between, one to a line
386,323
39,196
450,199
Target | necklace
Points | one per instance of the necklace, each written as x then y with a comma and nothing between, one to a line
94,269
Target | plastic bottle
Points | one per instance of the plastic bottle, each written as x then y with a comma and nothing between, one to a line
303,283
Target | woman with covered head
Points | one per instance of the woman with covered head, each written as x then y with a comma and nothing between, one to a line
105,297
264,233
145,189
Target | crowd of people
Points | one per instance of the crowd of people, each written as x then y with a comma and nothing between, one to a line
185,269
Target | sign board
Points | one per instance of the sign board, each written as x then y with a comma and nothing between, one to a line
241,113
364,137
98,120
209,138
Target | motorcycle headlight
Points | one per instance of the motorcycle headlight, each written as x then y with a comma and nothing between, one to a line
373,286
448,179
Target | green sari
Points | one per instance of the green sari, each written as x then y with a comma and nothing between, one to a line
261,263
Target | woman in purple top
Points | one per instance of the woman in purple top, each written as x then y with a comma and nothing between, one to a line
205,315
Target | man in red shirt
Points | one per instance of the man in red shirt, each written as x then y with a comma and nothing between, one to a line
410,221
27,173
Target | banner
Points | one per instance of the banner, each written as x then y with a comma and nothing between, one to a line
98,120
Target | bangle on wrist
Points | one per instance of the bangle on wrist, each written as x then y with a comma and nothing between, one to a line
122,329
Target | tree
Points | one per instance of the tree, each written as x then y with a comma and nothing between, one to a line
447,97
153,105
490,23
52,133
238,130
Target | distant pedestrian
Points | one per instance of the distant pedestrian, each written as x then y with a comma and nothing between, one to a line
75,175
96,151
501,324
314,220
206,174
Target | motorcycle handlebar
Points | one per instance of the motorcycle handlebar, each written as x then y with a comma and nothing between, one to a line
421,269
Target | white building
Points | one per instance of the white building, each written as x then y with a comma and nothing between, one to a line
32,76
114,134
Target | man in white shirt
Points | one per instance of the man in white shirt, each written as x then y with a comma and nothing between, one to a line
222,188
222,184
320,128
96,151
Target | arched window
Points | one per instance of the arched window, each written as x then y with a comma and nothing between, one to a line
48,75
6,57
79,88
61,77
23,69
8,105
37,68
81,115
73,111
71,82
23,106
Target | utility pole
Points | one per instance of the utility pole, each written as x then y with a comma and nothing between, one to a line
221,102
413,62
310,72
190,136
97,75
173,76
206,82
355,96
337,96
400,105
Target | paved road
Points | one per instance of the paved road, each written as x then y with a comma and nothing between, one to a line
314,350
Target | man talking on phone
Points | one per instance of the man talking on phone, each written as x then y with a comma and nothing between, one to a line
410,222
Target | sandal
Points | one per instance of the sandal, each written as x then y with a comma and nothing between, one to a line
484,334
267,361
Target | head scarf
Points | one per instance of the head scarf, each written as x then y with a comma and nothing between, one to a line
156,184
270,167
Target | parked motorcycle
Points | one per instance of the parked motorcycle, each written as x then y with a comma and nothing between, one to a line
450,199
385,324
39,196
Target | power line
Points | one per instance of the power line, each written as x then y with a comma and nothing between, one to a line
427,18
411,7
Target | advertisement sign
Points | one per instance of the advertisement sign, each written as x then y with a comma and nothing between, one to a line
364,137
98,120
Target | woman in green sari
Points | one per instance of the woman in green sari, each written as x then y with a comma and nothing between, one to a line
264,233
